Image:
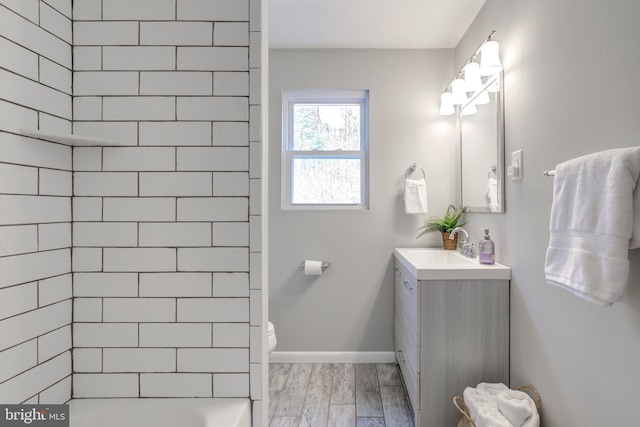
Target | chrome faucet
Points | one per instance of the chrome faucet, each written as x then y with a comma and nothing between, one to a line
468,248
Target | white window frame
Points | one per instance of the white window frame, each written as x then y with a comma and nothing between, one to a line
332,97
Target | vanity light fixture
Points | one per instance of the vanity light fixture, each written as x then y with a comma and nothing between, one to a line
469,109
476,76
490,58
482,98
495,86
472,76
458,92
446,104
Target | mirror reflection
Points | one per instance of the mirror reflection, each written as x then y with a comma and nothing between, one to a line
482,149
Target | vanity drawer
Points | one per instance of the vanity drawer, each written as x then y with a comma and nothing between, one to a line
410,377
406,316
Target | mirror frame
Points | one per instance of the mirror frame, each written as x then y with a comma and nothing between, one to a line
499,148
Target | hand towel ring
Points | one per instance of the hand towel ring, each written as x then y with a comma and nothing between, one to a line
412,169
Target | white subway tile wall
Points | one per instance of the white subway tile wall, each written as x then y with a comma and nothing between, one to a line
35,195
177,385
105,385
162,230
125,133
18,27
151,249
54,343
31,383
54,124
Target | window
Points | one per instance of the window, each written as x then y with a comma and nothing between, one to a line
325,149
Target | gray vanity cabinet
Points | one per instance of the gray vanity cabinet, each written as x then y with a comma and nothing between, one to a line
449,334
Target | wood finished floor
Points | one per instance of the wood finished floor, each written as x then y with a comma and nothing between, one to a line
340,395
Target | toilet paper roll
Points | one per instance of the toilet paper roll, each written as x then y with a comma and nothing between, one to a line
312,268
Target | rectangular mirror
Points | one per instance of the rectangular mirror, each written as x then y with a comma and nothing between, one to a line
481,150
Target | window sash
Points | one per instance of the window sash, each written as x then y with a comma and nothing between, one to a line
290,99
293,101
290,156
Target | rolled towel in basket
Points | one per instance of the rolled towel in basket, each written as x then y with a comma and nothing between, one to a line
518,407
491,417
476,399
493,388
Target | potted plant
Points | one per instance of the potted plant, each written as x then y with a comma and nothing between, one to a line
445,225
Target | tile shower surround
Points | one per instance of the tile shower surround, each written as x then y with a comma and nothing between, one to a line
35,203
164,233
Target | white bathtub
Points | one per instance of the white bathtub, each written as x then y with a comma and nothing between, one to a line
160,413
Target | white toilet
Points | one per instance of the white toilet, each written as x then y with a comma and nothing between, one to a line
271,336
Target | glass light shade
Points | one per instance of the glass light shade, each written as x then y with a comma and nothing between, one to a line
482,98
469,109
458,92
472,76
490,58
446,104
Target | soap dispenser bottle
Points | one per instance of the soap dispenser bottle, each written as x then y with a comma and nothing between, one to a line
487,249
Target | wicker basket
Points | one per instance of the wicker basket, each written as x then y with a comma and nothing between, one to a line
466,420
450,244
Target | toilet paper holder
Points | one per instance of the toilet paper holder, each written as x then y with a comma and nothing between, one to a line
324,265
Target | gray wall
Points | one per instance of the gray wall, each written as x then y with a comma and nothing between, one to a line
350,307
571,88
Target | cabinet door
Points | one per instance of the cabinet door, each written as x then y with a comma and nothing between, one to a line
465,336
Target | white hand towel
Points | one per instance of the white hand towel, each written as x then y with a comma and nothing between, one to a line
415,196
491,418
592,224
517,407
492,194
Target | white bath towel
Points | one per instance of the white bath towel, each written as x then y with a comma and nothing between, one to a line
477,399
415,196
491,418
482,404
493,388
519,408
593,224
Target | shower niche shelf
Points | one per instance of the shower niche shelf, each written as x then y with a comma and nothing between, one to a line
69,139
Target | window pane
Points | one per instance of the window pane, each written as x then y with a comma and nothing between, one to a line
326,181
326,127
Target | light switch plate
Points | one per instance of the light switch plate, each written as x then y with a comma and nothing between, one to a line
515,170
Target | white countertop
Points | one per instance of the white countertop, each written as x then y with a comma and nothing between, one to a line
440,264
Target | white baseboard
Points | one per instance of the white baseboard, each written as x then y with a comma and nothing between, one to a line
332,357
